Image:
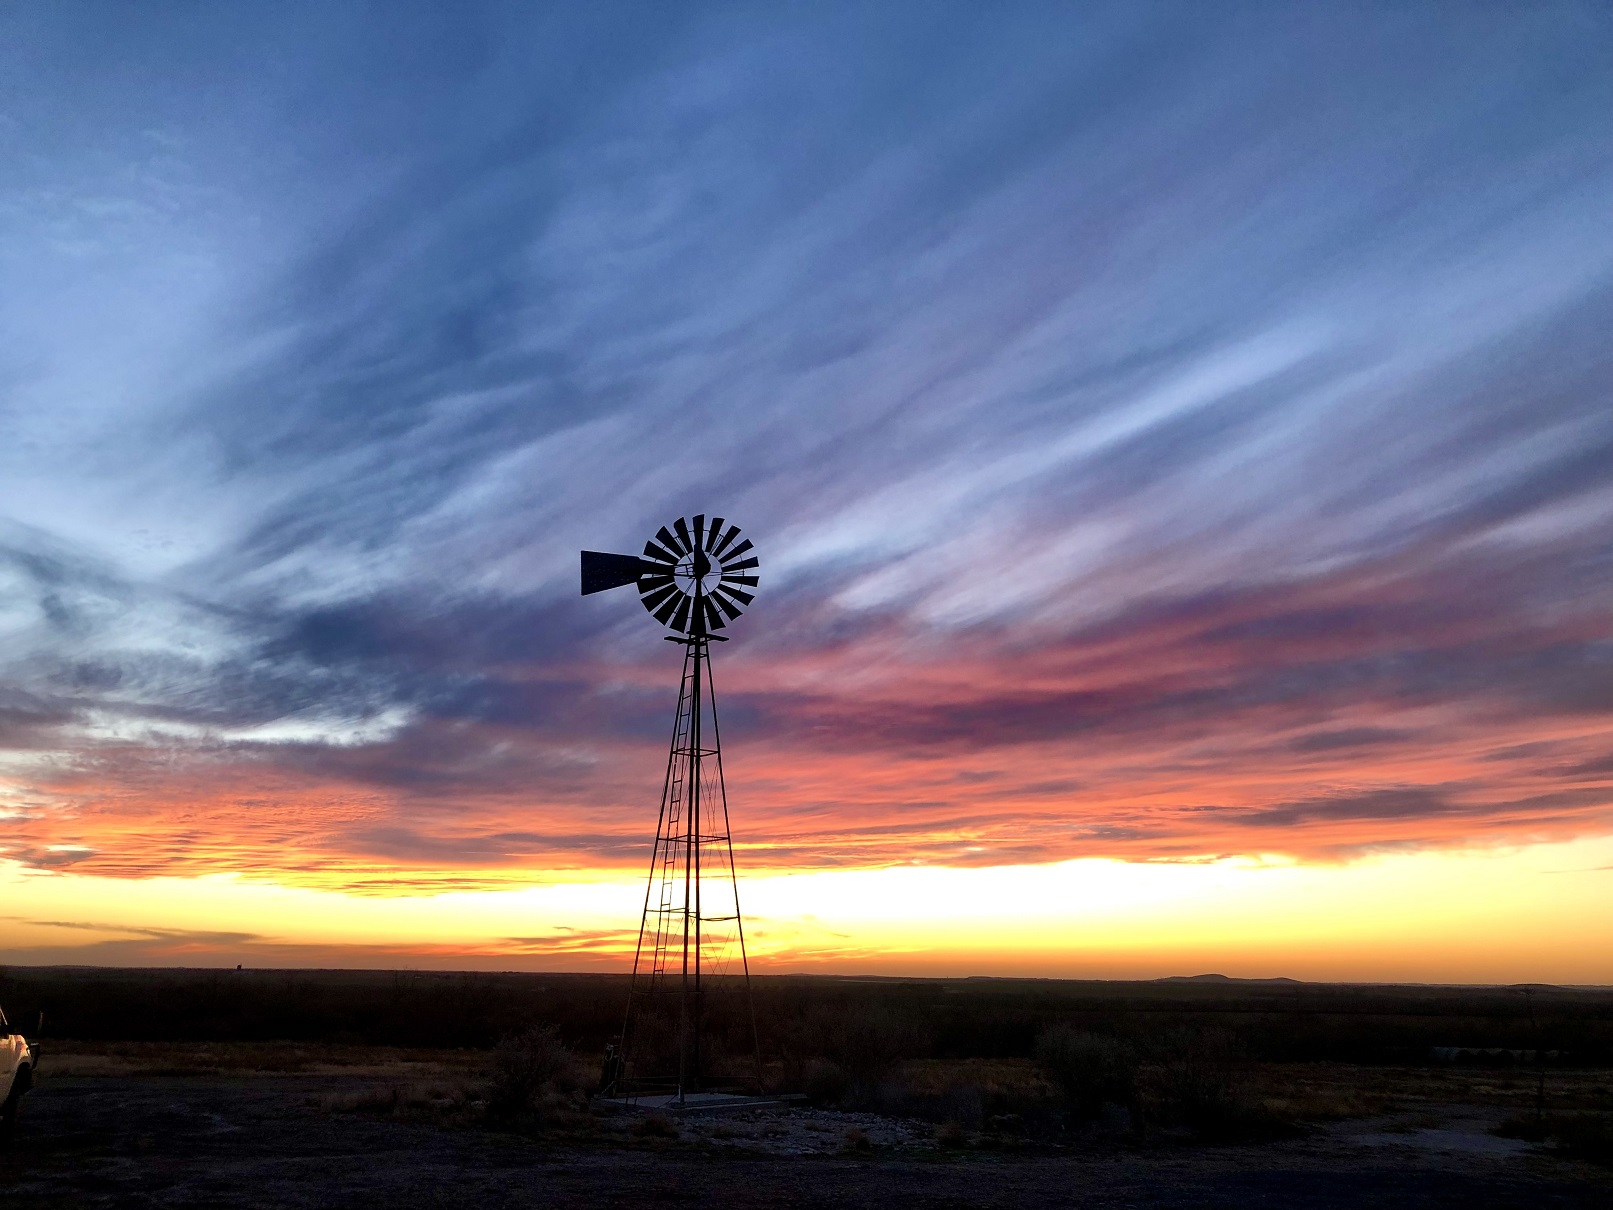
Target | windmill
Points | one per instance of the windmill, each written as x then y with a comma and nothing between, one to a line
694,578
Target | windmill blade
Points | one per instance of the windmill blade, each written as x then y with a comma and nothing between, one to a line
652,600
733,611
652,551
738,578
602,571
737,551
739,594
740,566
712,531
682,527
680,619
664,613
667,539
733,532
714,620
699,523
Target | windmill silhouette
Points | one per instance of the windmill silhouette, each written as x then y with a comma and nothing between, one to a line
693,578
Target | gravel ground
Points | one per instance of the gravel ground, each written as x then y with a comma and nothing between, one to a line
799,1132
273,1141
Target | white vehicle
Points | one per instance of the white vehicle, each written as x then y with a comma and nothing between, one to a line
17,1062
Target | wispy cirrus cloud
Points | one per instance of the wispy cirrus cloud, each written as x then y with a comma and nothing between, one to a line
1165,433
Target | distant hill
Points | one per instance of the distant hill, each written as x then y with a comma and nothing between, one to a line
1221,979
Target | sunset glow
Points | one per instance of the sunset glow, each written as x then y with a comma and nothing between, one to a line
1425,918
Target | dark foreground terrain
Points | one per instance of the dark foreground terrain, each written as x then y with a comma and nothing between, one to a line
345,1136
279,1089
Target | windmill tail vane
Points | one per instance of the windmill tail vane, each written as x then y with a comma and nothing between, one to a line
690,1025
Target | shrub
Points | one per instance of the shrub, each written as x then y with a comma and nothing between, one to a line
1197,1084
868,1045
528,1068
1527,1127
1088,1068
1196,1078
1585,1136
655,1126
826,1083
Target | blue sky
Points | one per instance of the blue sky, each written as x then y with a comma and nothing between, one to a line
1171,385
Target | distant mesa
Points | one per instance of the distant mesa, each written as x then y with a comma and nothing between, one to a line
1221,979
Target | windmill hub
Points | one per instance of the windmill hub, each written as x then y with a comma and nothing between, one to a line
695,568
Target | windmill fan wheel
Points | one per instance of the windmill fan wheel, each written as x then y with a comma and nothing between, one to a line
701,576
693,577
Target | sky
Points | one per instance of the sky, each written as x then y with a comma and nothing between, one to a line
1177,440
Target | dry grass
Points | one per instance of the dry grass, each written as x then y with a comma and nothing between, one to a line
1010,1079
68,1058
435,1100
1332,1091
1320,1092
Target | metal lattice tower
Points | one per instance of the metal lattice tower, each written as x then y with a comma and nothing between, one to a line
690,1026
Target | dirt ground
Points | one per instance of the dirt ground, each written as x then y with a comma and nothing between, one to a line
240,1126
